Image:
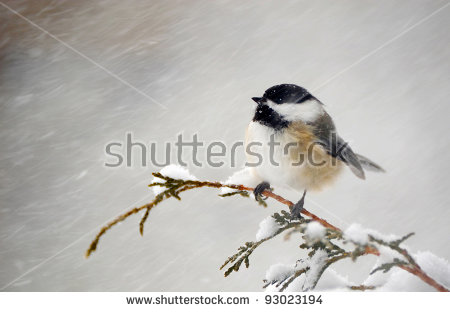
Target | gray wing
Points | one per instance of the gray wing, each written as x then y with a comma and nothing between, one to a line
328,138
369,165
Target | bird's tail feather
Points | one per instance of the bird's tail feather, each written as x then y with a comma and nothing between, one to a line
369,165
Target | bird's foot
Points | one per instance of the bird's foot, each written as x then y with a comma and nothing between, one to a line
260,188
297,208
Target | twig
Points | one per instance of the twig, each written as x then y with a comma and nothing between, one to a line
362,287
175,187
412,267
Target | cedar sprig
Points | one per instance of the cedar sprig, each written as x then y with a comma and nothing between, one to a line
333,242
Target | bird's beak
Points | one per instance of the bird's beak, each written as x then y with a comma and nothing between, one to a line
257,99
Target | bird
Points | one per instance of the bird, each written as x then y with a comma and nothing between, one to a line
292,142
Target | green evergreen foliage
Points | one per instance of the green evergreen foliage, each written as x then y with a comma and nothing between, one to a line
322,251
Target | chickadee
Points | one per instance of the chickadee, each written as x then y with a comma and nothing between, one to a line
297,144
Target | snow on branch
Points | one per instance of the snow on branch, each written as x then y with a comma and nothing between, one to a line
324,243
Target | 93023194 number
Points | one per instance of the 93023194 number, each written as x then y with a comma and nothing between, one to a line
293,299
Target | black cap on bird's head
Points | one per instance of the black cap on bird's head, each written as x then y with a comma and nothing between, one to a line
284,103
284,93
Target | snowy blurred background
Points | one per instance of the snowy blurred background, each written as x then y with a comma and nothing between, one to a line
381,67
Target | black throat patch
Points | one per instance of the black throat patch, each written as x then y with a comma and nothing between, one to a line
270,118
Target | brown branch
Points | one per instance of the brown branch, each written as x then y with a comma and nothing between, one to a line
417,271
362,287
289,204
413,268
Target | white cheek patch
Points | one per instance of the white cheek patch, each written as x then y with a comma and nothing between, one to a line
307,111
